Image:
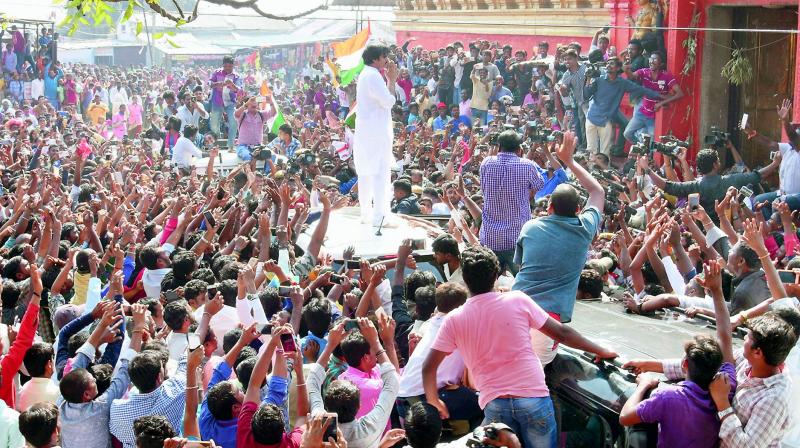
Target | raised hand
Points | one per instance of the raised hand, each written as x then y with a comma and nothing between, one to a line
566,149
753,236
784,109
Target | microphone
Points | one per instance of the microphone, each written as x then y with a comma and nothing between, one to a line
378,233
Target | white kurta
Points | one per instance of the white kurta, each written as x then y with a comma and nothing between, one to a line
372,144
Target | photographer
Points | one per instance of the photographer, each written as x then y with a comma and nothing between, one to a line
251,126
711,186
606,92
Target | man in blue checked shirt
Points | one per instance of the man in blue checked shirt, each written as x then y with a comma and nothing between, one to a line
157,395
508,182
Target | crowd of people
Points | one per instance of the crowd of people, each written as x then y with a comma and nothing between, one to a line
151,300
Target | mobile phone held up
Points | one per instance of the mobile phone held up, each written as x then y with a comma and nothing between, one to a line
332,429
288,344
209,219
193,341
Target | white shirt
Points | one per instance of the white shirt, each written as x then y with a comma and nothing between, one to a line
789,170
192,117
450,370
118,96
183,151
372,143
37,88
225,320
176,343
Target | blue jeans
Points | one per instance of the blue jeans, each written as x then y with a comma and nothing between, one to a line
506,259
532,419
456,94
243,151
216,121
792,199
479,116
639,122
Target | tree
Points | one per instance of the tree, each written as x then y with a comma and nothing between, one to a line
100,11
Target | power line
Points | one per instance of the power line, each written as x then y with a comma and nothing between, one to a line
538,25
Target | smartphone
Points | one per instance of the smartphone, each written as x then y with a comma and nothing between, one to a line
332,429
209,219
351,324
743,123
265,329
287,342
353,264
193,341
789,276
171,296
631,174
220,193
745,192
773,154
338,279
284,291
694,201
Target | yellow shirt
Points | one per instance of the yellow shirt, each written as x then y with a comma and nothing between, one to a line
97,113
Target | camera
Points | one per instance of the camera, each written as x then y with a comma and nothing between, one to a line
261,152
716,138
480,433
594,70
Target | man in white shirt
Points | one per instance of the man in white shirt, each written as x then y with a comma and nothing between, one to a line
372,143
789,172
462,401
37,87
191,112
118,94
185,149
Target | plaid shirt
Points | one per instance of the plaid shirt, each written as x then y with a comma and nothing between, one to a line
507,181
167,399
761,404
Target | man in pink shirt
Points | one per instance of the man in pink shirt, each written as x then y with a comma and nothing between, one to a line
653,78
509,376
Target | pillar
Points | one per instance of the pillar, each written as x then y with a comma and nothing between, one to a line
673,119
796,103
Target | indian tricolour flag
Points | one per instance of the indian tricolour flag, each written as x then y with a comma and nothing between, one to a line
348,55
277,120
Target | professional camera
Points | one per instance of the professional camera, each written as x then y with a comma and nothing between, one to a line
305,158
594,70
716,138
490,431
261,152
644,147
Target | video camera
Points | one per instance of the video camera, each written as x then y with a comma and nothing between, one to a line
716,138
542,134
261,152
669,146
490,431
594,70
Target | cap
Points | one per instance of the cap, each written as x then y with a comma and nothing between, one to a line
66,314
441,105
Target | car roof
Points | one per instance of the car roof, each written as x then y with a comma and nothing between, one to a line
661,336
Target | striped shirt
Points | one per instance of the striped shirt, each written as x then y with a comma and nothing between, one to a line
761,407
507,182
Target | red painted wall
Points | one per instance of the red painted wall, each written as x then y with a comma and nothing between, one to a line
435,40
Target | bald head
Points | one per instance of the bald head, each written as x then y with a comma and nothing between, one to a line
565,200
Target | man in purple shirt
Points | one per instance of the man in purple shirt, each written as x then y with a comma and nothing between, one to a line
685,411
508,182
225,84
653,78
19,45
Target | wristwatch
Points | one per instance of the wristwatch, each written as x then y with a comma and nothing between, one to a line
724,413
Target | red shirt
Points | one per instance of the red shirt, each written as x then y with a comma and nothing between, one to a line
11,362
244,431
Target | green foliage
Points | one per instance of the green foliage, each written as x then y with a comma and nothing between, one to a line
738,69
690,44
